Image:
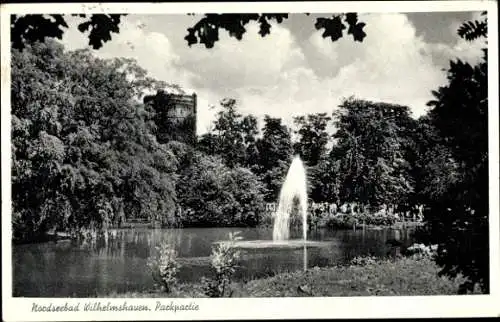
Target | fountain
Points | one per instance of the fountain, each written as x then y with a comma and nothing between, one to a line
293,187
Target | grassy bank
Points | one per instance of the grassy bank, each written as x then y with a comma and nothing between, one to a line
365,277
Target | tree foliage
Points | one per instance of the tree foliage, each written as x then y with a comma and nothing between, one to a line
86,154
206,30
370,146
233,137
433,165
275,144
82,145
216,195
30,28
472,30
312,137
275,151
457,218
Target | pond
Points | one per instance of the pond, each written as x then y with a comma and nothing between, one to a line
71,269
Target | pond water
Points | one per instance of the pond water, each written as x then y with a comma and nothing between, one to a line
71,269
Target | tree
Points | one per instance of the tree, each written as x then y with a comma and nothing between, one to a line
250,132
233,137
275,153
370,146
457,219
83,148
433,166
30,28
212,194
313,137
206,30
472,30
209,143
275,144
231,141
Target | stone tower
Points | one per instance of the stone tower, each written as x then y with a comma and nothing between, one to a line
175,116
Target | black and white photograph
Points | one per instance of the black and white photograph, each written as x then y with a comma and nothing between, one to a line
186,153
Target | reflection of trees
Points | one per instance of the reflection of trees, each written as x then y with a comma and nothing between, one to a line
362,242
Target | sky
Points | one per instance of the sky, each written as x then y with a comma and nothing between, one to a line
294,71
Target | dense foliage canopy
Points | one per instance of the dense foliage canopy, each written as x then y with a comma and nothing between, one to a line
85,154
457,212
29,28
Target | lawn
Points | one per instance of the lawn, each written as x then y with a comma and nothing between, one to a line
364,277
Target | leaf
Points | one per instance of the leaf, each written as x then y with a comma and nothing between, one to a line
191,38
333,27
101,26
357,31
265,27
351,18
471,30
84,26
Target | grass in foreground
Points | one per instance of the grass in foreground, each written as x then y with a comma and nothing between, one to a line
368,277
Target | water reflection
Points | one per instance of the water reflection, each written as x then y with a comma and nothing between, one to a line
305,258
90,268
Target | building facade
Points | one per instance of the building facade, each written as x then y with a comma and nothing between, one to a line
175,116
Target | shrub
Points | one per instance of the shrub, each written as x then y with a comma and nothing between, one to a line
224,262
341,221
363,260
266,219
219,195
419,251
376,219
164,266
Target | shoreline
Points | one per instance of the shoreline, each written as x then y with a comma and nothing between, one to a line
63,236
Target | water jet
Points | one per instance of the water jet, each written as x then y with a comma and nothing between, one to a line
294,187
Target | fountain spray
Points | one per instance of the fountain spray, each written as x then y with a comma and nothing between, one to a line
295,185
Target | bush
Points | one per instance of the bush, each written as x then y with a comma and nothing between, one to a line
219,195
341,221
375,219
164,266
266,219
224,262
363,260
419,251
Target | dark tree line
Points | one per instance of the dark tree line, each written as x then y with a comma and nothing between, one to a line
457,213
367,160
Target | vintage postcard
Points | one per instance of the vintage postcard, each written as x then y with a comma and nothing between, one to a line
212,161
